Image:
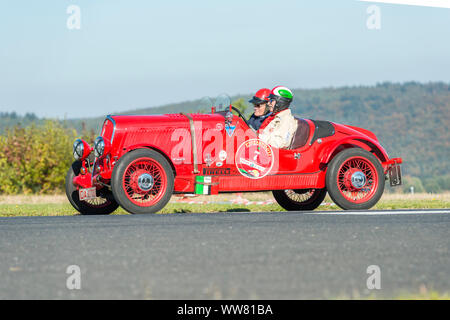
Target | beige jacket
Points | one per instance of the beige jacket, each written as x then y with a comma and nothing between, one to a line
280,131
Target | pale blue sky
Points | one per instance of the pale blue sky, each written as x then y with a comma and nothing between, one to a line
136,54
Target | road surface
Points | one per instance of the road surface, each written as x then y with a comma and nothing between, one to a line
276,255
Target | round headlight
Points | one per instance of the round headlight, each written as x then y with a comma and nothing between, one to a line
99,147
78,149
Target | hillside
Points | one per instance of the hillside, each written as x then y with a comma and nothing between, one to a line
411,119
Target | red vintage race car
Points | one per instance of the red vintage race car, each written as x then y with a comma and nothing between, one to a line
139,162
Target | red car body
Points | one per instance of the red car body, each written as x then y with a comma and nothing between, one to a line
191,144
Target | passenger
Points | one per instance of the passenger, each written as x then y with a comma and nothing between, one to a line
261,109
279,128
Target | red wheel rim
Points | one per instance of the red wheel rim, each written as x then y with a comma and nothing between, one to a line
149,192
357,180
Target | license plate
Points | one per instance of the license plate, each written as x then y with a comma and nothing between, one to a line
87,194
395,175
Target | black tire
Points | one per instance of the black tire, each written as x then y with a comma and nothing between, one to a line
105,204
332,178
120,191
299,200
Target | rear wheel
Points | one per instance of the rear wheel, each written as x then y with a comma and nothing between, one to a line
103,204
142,181
300,199
355,179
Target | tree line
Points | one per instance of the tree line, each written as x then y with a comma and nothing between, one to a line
35,158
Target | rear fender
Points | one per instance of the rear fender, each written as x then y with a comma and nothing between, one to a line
368,144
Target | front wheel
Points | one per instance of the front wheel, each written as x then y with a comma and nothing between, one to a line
142,181
355,179
103,204
301,199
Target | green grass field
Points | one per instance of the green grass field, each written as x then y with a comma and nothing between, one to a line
58,205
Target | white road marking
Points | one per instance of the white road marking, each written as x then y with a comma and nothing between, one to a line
370,212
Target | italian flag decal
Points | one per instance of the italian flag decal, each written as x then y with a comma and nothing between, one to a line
203,185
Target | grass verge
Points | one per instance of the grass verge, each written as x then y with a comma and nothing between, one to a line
422,294
57,205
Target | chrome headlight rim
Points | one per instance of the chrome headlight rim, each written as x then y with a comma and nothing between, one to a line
78,149
99,147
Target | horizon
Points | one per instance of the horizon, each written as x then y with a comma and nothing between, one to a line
238,95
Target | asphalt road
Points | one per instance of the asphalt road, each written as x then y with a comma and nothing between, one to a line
285,255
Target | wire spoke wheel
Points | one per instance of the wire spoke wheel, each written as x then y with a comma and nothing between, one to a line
299,199
355,179
300,195
98,202
103,204
142,181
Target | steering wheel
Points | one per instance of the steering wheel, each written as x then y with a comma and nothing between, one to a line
240,115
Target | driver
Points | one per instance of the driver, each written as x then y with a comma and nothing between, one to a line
279,128
261,109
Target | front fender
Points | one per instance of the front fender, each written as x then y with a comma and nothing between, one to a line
143,145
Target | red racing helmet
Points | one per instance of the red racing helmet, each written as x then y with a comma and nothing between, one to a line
261,96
